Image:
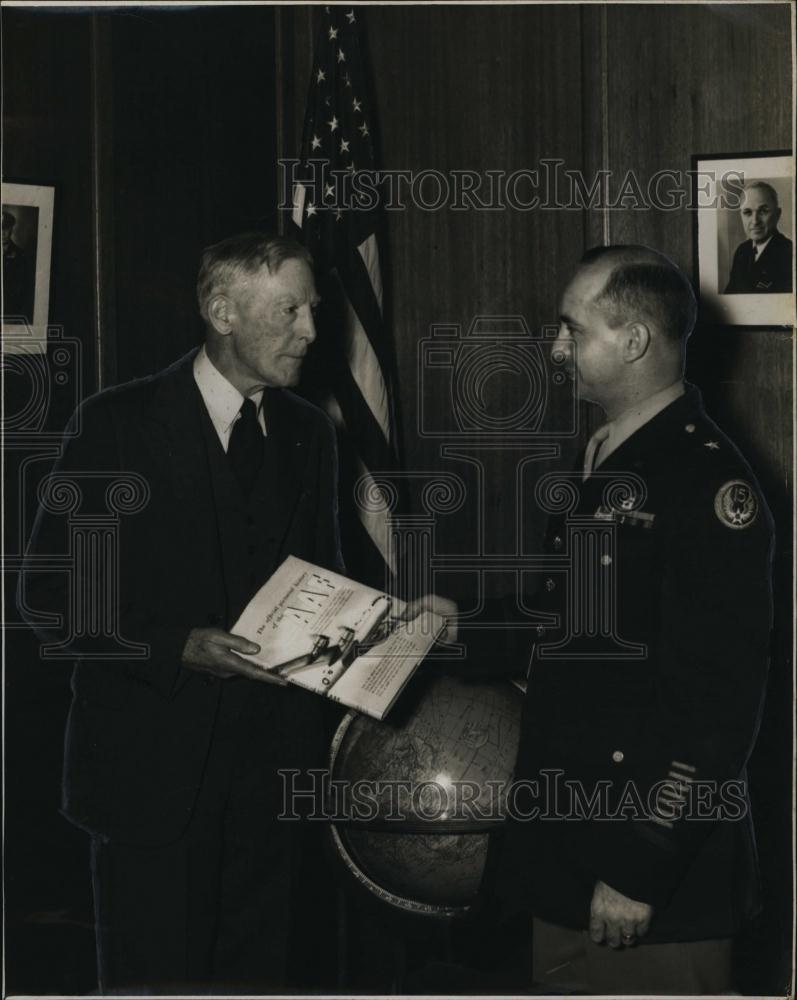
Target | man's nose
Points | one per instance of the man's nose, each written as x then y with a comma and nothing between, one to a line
307,326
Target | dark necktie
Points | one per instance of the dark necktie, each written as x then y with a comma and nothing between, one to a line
245,450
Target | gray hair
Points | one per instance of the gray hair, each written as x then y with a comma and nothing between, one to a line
223,263
765,187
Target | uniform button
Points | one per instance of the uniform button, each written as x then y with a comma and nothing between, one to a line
618,756
690,428
549,584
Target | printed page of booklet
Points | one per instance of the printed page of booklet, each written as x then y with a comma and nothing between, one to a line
338,638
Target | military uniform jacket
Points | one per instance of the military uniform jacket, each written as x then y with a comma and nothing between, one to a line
647,689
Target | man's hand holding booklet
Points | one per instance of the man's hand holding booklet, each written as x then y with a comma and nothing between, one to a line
338,638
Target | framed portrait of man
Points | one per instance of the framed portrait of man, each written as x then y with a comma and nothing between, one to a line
745,237
27,248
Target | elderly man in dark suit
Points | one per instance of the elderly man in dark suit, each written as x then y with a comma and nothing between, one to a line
172,758
763,262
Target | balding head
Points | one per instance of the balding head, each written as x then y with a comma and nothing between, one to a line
624,319
642,284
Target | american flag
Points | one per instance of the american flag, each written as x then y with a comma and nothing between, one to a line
336,212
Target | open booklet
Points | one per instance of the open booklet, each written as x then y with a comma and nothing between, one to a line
336,637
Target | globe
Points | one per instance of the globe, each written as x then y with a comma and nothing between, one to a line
418,795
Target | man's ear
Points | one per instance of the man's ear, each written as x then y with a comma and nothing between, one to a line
636,341
220,314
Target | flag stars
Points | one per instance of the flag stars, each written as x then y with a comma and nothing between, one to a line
320,76
356,104
344,146
712,445
333,33
364,130
338,215
341,56
350,17
333,124
316,143
347,80
329,191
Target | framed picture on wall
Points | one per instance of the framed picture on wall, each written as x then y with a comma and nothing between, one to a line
745,237
27,250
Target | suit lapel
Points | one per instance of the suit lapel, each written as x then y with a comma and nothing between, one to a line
174,433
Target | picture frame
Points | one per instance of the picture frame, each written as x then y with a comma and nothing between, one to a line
27,226
745,275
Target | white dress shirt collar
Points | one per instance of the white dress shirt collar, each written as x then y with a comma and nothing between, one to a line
222,400
759,248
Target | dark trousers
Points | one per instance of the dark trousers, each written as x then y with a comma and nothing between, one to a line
568,961
218,905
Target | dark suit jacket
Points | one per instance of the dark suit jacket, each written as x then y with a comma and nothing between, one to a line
770,273
690,571
139,729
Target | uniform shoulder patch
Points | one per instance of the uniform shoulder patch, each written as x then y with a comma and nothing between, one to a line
736,504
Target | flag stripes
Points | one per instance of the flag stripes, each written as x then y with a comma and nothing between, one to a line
353,373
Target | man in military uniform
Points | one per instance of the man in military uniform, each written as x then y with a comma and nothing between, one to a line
629,837
637,859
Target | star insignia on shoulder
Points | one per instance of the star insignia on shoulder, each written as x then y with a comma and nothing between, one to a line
711,445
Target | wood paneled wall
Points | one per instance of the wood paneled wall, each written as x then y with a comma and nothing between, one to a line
623,87
191,115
